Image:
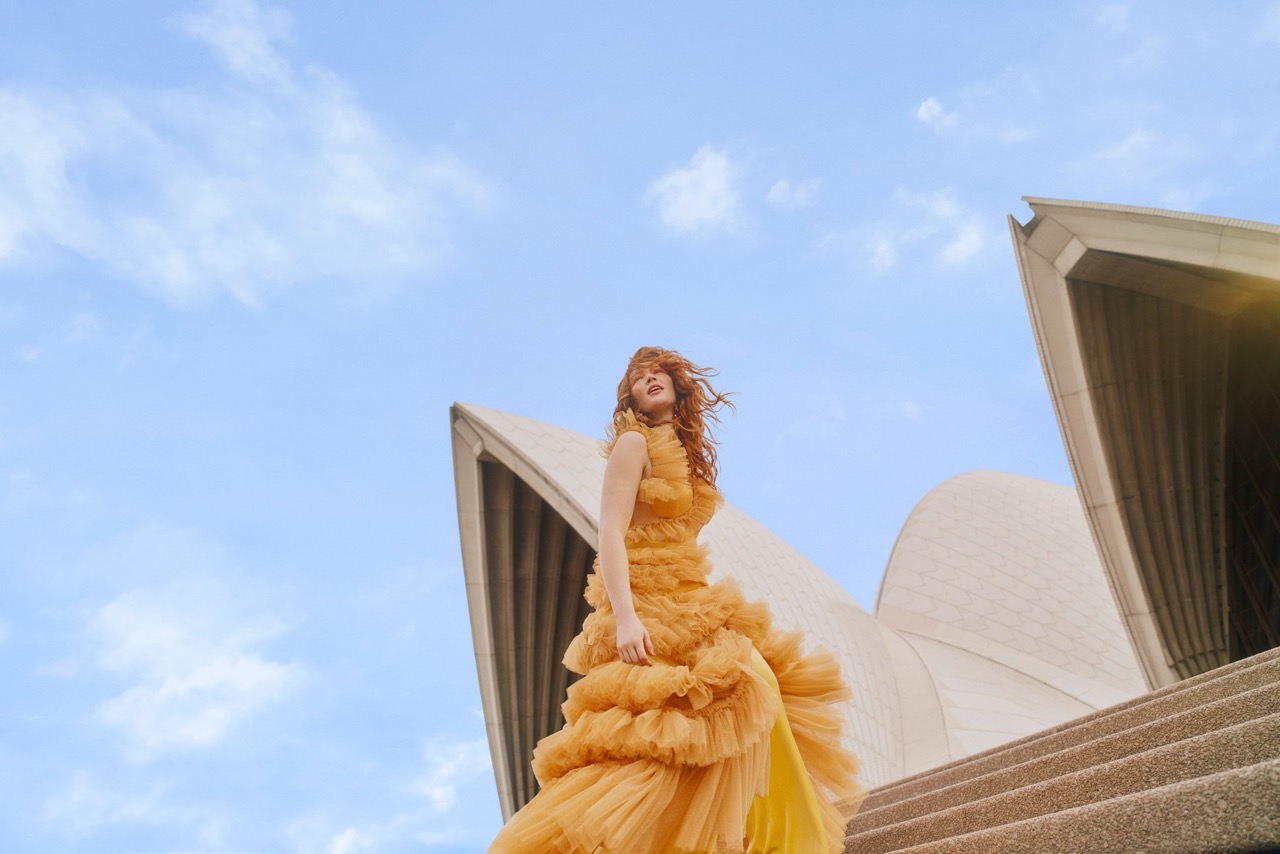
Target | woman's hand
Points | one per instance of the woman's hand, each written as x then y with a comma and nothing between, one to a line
634,643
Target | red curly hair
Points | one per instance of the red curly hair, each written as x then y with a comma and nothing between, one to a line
697,405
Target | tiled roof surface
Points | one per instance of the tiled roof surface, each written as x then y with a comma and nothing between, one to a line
571,461
1004,566
986,703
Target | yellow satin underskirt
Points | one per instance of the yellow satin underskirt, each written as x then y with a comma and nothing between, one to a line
786,819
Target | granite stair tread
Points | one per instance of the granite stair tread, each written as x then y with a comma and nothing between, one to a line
1232,810
1208,746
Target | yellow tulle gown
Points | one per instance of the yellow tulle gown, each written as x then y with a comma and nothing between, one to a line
728,742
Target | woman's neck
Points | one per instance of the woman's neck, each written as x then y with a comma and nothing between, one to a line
665,416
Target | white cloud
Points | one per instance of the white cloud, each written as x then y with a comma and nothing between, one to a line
1269,27
243,36
34,186
996,109
449,765
1143,156
701,197
194,681
435,807
965,235
321,830
883,250
188,645
1187,198
275,179
930,113
954,233
84,803
88,801
789,196
1146,52
349,841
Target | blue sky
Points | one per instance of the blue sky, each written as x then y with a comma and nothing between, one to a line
250,253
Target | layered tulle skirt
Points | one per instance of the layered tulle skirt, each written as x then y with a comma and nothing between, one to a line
728,742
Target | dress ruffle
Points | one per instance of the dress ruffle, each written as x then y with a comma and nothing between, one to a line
669,757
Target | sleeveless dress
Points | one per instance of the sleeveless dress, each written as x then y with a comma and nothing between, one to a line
728,742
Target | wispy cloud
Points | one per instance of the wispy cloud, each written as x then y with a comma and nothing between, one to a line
245,37
700,198
193,682
1145,156
792,196
937,223
1135,45
188,646
994,110
964,234
448,766
931,113
349,841
435,812
277,178
85,803
1269,27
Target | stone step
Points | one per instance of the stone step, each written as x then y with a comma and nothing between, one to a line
1233,810
1226,712
1242,745
1237,677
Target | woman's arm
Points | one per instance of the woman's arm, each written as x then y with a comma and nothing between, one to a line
622,476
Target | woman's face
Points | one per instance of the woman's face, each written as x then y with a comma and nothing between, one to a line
654,392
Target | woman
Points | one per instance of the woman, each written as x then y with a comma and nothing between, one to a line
696,726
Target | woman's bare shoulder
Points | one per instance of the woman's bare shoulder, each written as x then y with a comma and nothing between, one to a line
630,449
632,441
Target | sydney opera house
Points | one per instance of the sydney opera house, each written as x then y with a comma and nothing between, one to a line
1045,667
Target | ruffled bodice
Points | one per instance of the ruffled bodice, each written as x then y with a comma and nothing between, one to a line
683,504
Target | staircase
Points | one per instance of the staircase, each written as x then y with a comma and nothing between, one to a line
1192,767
